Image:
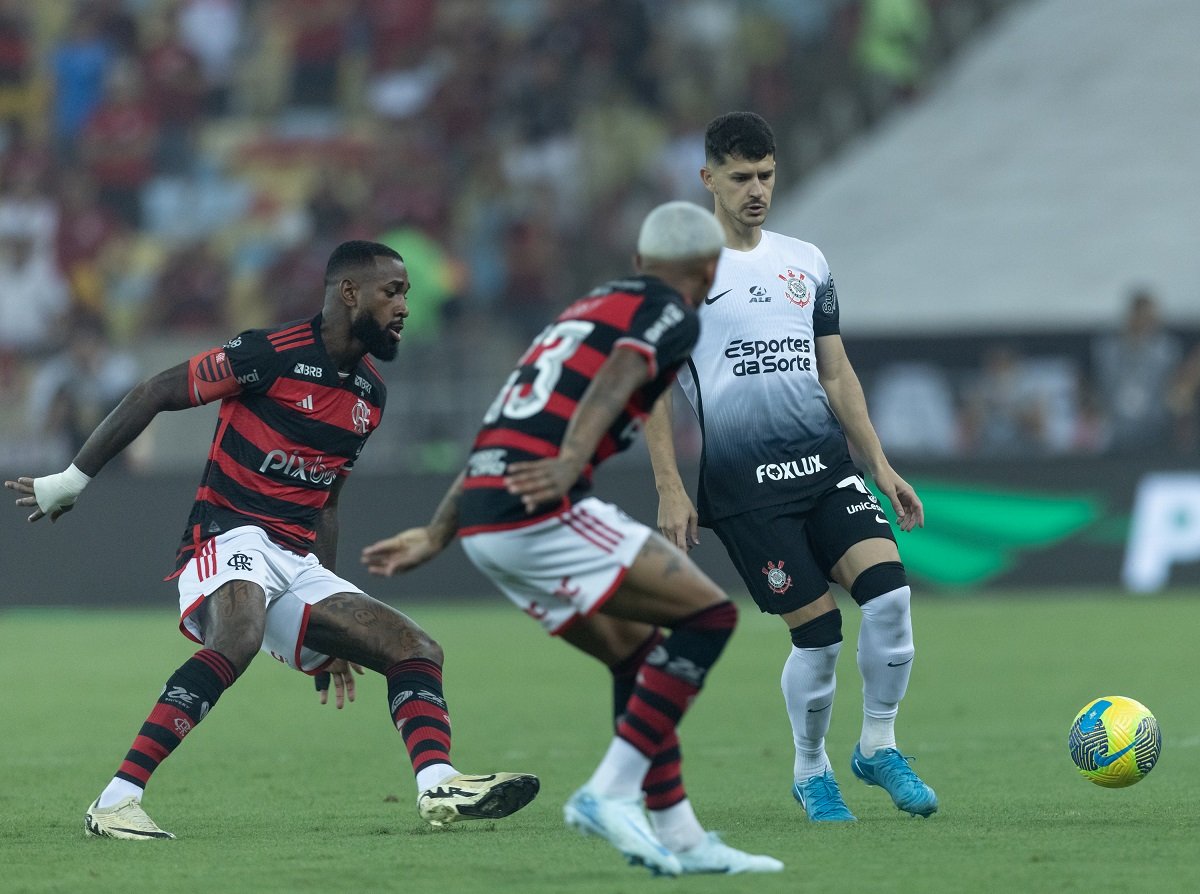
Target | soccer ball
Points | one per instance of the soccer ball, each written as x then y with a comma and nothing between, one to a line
1114,741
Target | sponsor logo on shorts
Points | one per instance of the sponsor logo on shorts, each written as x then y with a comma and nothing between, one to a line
793,468
777,579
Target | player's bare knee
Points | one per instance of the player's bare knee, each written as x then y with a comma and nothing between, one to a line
425,646
239,646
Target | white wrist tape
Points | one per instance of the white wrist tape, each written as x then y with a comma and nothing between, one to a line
60,490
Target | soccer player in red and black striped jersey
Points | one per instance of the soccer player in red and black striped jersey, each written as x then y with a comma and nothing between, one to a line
255,569
581,567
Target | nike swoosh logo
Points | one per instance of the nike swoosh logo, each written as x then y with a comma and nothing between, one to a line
901,664
882,521
820,709
1103,760
713,299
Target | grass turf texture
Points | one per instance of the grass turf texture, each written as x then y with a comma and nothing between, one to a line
275,793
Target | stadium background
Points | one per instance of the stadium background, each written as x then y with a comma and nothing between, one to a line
991,180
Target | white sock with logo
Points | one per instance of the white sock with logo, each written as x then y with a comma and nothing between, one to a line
885,655
808,684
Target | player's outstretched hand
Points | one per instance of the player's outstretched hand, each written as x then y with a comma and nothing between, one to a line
27,488
343,682
403,551
541,481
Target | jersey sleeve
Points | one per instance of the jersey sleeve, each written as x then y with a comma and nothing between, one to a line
826,320
241,364
664,331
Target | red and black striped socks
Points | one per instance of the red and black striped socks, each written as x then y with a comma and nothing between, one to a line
419,712
186,699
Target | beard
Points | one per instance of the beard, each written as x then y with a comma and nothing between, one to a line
377,340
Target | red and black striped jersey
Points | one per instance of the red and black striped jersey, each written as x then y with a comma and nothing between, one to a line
528,419
289,426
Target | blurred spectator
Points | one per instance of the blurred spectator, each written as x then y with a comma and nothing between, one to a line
118,26
192,292
1184,401
532,293
176,91
1134,369
287,284
892,40
77,387
119,143
912,405
79,65
33,299
84,228
1006,411
318,39
431,276
18,99
211,29
25,207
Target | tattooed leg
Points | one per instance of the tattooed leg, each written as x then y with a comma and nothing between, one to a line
662,586
367,632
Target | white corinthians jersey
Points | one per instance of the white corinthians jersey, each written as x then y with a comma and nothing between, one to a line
770,436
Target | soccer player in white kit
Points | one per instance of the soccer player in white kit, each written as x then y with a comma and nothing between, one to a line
779,406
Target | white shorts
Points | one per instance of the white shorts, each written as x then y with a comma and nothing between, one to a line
292,583
563,568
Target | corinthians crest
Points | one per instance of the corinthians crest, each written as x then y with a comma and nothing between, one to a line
777,579
796,287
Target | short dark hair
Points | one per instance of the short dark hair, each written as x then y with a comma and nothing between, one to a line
738,134
356,254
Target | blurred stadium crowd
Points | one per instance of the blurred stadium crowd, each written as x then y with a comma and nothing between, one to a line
174,171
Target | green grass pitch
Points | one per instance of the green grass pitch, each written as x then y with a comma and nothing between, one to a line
275,793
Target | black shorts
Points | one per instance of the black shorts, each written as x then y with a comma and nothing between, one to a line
784,553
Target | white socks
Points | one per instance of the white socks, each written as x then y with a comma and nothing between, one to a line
620,772
433,775
885,654
118,790
808,683
677,827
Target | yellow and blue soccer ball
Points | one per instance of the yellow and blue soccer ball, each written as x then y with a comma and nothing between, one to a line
1115,741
